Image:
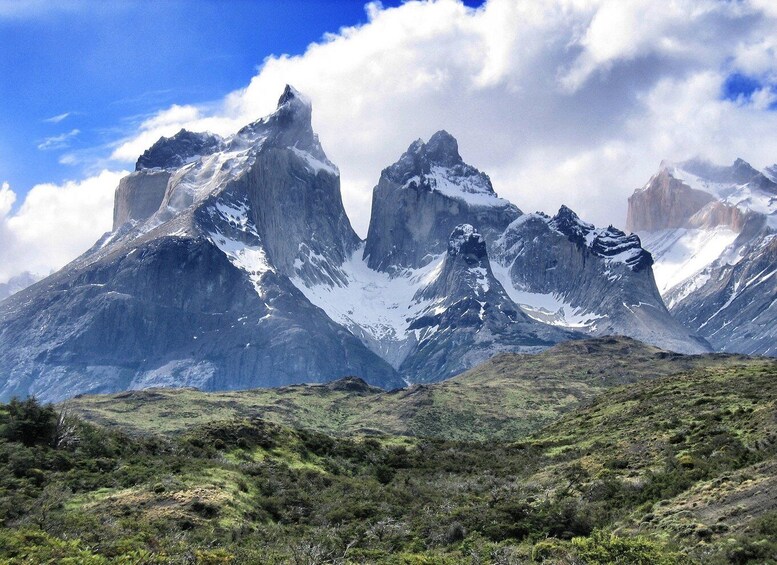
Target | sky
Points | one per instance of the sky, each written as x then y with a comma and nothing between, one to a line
560,101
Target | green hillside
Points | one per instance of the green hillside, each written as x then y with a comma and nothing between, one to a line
672,469
505,398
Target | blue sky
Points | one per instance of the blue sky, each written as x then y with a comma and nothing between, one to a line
559,101
77,76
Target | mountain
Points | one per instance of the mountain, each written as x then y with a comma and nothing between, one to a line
598,283
470,317
17,283
422,197
232,264
711,230
197,291
567,272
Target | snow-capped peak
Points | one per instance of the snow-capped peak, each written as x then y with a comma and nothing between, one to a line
436,166
293,97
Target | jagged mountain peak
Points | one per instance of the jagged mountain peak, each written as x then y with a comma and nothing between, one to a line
293,106
696,192
465,271
610,243
289,126
437,165
443,149
179,149
705,225
566,221
422,197
293,97
740,172
469,315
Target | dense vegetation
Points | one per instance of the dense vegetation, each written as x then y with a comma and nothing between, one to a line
679,469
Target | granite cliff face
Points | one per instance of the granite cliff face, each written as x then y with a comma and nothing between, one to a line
470,317
714,261
139,196
596,280
664,203
422,197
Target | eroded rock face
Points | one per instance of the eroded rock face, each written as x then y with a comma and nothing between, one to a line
174,152
602,276
717,214
139,196
665,203
422,197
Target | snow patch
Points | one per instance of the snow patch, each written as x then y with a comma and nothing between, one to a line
316,165
374,305
472,189
549,308
682,254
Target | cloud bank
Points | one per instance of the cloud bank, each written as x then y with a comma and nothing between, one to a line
54,224
559,101
562,101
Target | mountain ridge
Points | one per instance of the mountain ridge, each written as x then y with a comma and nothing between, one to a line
252,274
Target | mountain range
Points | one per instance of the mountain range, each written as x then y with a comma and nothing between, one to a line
232,264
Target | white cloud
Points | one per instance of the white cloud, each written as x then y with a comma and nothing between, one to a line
54,224
58,118
560,101
58,141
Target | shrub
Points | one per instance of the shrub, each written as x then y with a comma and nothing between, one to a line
602,547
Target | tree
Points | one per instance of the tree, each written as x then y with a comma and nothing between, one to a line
30,422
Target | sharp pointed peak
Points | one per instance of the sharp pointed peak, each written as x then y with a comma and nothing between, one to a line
291,95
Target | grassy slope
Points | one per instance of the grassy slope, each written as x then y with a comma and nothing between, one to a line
687,459
504,398
696,450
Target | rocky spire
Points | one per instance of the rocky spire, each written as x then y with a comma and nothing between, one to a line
424,195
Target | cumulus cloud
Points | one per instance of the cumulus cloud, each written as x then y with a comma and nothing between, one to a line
561,101
54,224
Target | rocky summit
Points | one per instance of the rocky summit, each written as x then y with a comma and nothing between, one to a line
232,264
